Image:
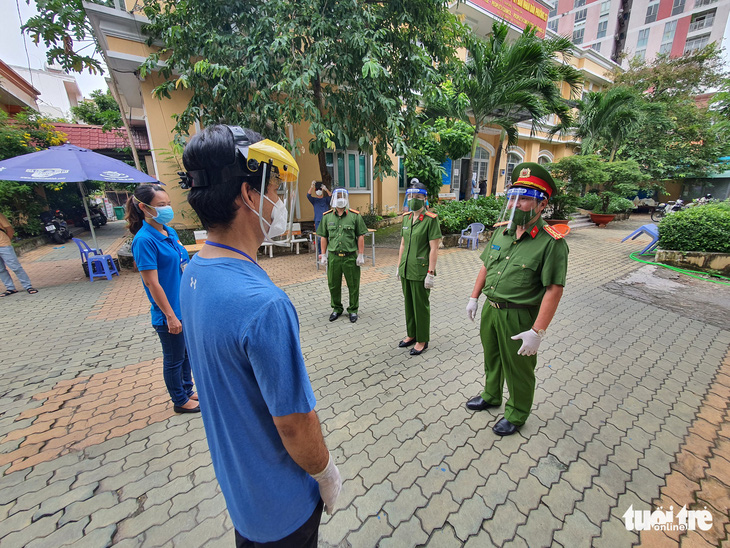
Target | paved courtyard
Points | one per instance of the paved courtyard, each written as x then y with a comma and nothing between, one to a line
631,411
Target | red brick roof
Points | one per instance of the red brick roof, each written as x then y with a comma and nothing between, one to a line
94,138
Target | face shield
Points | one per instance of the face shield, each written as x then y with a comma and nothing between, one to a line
340,199
521,207
416,198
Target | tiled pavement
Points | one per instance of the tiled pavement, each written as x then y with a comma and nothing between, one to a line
631,410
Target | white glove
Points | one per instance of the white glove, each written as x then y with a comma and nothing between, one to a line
397,273
530,342
360,259
330,485
323,258
472,307
428,281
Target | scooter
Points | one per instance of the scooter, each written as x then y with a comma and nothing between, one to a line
55,226
98,218
662,210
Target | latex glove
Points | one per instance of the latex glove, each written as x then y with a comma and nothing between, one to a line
472,307
323,259
397,273
330,485
428,281
530,342
360,259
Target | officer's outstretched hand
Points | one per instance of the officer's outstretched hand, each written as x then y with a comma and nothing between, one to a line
330,485
323,258
428,281
530,342
397,273
472,307
360,260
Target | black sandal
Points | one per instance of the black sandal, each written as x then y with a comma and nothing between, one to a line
8,293
32,290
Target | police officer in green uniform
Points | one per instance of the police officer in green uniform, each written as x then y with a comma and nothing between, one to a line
342,231
522,278
420,237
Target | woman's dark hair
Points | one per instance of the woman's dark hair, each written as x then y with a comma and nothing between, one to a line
210,150
144,193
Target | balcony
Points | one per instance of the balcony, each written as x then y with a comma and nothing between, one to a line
700,3
701,24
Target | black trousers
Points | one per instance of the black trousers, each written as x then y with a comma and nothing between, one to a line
304,537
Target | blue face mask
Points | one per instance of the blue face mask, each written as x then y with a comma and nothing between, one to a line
165,214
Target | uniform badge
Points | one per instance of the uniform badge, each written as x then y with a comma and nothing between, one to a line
496,247
420,217
525,172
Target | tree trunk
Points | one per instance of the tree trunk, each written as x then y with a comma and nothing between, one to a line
497,159
321,156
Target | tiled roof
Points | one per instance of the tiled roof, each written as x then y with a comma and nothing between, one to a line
94,138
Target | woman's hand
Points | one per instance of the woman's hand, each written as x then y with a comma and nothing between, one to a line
174,326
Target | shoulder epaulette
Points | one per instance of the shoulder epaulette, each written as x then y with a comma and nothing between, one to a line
431,214
554,233
328,211
354,211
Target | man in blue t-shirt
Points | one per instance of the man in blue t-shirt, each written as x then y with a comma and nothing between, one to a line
242,334
321,203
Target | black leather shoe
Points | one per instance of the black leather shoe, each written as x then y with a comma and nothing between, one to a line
335,315
415,352
478,404
406,344
504,428
353,318
181,409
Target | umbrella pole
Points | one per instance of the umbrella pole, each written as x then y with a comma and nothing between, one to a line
88,215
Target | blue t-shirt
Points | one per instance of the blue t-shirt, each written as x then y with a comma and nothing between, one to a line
320,206
242,336
152,250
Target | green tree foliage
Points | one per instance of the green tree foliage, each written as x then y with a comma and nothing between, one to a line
454,216
506,82
700,228
354,70
101,110
62,26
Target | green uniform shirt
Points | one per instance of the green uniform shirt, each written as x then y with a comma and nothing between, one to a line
518,271
342,231
417,234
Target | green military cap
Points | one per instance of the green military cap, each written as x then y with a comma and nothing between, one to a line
532,175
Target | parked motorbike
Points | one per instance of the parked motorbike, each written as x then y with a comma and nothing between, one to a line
662,210
98,217
55,226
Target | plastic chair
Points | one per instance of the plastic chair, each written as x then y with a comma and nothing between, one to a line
101,266
86,250
471,235
650,230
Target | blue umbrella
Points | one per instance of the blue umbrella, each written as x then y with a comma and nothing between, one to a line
70,164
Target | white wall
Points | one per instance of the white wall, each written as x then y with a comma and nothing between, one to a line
59,91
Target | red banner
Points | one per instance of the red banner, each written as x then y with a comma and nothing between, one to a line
518,12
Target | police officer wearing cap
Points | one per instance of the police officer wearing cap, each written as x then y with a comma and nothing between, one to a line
523,276
420,237
342,233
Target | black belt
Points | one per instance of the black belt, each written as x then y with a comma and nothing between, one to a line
346,254
501,306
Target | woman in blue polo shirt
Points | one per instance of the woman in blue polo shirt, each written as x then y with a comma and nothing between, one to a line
160,259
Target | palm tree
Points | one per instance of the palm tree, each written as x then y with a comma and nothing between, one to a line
510,82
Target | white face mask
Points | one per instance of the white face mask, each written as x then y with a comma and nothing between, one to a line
341,202
318,192
279,217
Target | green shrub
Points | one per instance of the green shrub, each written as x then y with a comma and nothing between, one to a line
702,228
590,201
455,216
620,205
371,217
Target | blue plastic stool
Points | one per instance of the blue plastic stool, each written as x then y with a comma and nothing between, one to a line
650,230
105,269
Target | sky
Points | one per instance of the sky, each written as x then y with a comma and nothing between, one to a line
12,48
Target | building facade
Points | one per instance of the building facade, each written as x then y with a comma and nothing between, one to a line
625,29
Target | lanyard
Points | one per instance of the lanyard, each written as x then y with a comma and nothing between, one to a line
223,246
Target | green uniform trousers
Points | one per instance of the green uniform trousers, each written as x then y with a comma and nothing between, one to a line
502,363
418,310
336,267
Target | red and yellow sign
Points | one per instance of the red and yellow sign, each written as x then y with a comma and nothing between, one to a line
518,12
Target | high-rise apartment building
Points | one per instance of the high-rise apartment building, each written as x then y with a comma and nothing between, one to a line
624,29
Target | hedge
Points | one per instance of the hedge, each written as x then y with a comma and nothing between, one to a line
700,228
456,216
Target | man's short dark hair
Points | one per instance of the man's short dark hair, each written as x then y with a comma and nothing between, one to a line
211,150
318,185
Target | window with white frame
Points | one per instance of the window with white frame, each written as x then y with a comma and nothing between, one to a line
665,49
602,27
480,165
643,39
605,7
596,47
651,12
542,160
580,15
669,30
349,169
702,20
678,7
698,42
578,36
553,25
640,55
579,3
513,160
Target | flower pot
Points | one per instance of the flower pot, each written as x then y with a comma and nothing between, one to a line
601,219
552,222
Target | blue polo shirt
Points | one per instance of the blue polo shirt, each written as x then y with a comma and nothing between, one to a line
242,337
152,250
320,205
